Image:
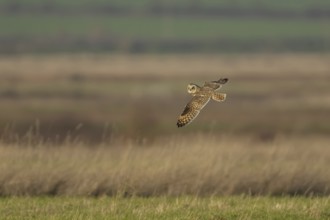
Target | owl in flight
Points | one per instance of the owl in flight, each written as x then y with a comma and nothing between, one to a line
201,96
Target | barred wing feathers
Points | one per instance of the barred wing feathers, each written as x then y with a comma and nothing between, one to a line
192,110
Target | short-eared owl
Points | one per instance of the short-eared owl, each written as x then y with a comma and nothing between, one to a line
201,96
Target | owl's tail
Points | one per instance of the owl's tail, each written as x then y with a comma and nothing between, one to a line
222,80
219,97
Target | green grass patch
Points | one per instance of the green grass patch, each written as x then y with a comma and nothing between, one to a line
189,28
236,207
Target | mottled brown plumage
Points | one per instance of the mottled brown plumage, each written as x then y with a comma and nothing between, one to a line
201,96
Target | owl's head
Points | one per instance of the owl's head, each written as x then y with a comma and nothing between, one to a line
193,88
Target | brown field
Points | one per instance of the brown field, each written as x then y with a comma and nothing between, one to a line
105,125
202,165
111,67
98,97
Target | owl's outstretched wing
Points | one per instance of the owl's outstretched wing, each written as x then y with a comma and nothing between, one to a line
192,109
215,84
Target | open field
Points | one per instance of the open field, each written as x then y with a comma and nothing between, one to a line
98,97
105,125
204,177
94,137
238,207
164,26
197,165
136,34
281,4
90,93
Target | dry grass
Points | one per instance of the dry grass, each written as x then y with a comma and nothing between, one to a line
55,67
268,94
104,98
200,165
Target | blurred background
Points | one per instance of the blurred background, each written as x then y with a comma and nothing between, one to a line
99,70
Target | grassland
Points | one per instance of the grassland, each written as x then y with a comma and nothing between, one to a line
238,207
196,165
201,177
102,96
187,28
287,5
85,136
76,142
100,33
162,27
